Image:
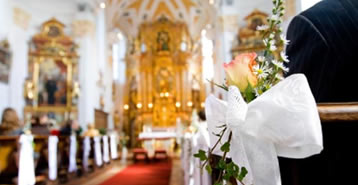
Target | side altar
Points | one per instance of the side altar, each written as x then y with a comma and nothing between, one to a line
52,86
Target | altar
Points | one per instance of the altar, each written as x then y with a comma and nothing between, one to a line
157,139
164,77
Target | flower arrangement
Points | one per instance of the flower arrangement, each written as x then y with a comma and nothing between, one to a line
123,139
252,75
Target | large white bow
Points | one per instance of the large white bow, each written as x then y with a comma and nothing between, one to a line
283,121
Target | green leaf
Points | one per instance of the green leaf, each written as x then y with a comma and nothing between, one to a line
249,93
209,169
227,176
201,155
230,168
243,173
221,164
218,183
225,147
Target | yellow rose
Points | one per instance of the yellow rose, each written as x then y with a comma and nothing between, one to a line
239,72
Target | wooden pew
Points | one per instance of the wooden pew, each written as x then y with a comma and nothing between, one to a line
63,153
9,155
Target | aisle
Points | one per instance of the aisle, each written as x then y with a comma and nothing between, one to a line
154,173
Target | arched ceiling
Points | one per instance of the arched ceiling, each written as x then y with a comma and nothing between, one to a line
127,15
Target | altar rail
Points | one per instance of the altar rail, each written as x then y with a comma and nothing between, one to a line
339,123
9,157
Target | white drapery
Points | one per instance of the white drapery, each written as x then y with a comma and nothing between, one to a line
200,141
72,167
26,174
97,150
284,121
105,149
52,157
114,146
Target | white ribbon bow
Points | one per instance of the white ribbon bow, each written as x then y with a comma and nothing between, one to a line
283,121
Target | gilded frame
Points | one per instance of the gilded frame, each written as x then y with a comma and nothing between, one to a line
51,44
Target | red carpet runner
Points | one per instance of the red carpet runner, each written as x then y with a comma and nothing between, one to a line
154,173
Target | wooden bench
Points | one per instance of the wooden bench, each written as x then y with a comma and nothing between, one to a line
140,154
160,154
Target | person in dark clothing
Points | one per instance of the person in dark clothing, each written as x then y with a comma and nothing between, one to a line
51,88
323,46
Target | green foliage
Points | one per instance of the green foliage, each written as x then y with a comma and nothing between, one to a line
209,169
201,155
221,164
249,93
225,147
102,131
243,173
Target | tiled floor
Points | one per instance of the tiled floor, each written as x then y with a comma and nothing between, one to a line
177,176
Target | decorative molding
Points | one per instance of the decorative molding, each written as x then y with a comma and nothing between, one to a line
229,23
21,18
82,28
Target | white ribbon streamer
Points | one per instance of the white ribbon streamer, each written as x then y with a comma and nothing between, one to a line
26,162
52,163
114,146
86,152
201,141
283,121
72,167
97,150
105,149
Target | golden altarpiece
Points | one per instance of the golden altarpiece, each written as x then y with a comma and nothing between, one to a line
164,77
52,86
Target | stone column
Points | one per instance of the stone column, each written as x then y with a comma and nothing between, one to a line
84,33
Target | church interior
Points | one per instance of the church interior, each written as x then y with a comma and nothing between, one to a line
122,84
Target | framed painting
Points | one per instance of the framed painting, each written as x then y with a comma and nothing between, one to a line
52,81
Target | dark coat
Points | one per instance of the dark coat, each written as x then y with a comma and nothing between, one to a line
324,46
